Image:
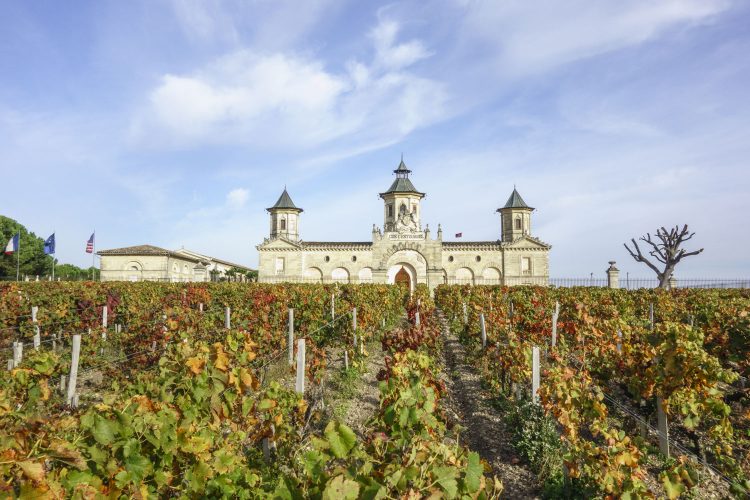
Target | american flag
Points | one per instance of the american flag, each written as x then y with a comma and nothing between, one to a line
90,244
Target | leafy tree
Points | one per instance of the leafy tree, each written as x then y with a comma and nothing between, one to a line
666,250
33,261
71,272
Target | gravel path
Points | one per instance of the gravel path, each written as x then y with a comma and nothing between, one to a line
483,428
367,399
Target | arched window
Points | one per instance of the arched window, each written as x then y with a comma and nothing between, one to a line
402,209
518,223
283,224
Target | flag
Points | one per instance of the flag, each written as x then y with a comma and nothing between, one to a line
458,235
49,245
12,245
90,244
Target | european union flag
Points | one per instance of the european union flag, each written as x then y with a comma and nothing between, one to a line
49,245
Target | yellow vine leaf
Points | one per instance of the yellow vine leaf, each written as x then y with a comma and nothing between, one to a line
195,365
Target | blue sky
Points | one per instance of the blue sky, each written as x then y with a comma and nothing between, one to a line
177,122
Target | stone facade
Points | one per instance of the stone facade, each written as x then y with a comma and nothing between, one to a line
403,251
150,263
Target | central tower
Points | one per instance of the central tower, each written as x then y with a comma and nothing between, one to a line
401,210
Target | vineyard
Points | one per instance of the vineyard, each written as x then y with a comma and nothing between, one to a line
615,369
230,390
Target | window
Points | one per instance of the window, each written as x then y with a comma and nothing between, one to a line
525,265
478,258
354,258
390,210
279,265
518,223
402,209
450,258
283,224
327,258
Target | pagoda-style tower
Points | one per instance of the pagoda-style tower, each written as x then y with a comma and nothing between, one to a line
401,203
285,218
515,217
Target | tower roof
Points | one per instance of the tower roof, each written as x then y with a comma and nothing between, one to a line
285,202
402,184
401,169
515,201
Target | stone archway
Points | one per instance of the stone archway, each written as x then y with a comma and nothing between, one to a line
405,273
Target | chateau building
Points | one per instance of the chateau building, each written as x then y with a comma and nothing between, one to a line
150,263
402,251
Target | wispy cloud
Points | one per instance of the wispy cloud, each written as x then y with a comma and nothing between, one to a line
290,100
534,36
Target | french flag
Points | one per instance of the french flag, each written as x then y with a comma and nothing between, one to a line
12,245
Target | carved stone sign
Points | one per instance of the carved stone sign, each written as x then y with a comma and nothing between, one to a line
406,236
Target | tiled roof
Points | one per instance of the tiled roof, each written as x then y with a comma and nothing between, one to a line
470,243
515,201
335,243
147,250
402,185
285,201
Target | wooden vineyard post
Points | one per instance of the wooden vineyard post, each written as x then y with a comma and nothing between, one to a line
75,356
17,354
300,385
354,325
555,315
37,333
466,315
228,317
290,337
651,315
10,365
663,427
535,375
619,341
417,321
62,384
484,330
104,317
200,307
333,306
346,359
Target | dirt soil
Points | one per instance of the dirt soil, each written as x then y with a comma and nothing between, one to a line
367,399
484,431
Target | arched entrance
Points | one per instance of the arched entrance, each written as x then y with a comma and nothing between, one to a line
402,273
402,278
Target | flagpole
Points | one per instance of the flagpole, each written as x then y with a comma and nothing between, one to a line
18,257
93,258
53,258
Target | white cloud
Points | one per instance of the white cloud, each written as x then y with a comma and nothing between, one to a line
532,36
236,198
394,55
288,100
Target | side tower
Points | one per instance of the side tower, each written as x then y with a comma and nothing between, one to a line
401,203
285,218
515,218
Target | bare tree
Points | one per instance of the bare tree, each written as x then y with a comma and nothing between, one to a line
666,250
